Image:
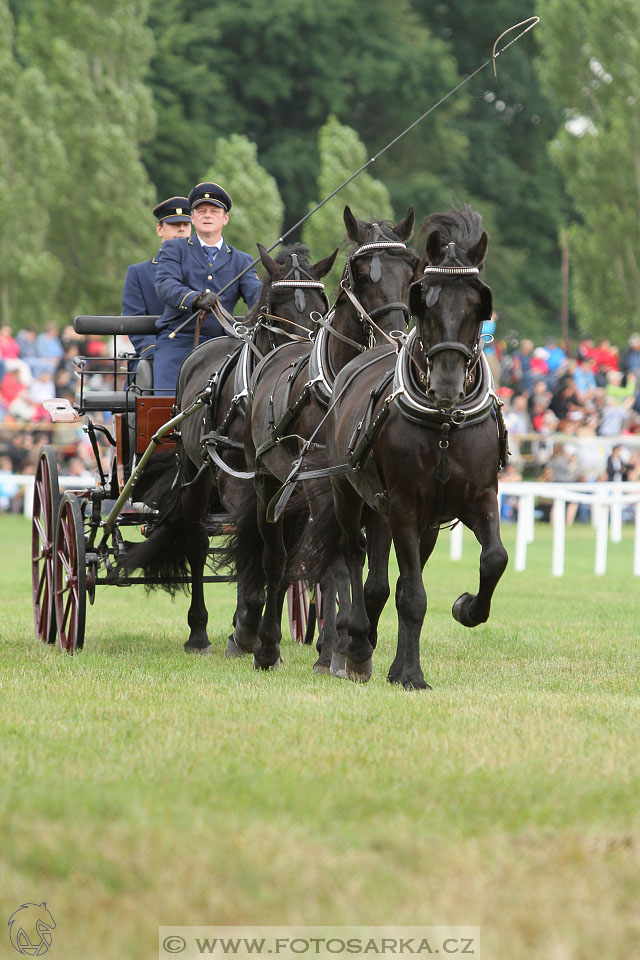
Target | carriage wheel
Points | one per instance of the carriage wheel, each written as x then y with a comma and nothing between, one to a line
302,604
46,502
69,574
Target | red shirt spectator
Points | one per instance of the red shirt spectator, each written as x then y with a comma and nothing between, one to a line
11,387
9,348
605,355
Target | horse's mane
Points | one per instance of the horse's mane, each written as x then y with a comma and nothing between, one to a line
462,226
300,249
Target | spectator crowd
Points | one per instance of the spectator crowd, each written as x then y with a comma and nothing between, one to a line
36,367
560,405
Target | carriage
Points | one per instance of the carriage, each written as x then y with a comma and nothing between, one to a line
401,464
79,536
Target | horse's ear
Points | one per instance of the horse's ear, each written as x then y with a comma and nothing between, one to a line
352,224
477,253
322,267
273,268
416,299
486,303
434,248
404,228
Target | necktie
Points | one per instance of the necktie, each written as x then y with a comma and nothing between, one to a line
210,252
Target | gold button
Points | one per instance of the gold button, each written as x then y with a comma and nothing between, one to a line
210,277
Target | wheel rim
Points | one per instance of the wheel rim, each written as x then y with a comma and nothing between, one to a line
70,575
46,500
298,606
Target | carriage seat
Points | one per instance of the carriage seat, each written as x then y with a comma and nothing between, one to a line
107,401
116,401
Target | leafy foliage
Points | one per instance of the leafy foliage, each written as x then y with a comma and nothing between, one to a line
118,106
257,212
341,153
30,149
590,66
99,198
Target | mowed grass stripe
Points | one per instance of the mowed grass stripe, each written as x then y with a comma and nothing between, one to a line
143,787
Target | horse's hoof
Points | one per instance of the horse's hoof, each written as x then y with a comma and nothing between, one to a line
321,668
359,672
416,685
233,651
202,651
460,610
339,666
267,666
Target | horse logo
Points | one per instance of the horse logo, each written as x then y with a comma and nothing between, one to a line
29,929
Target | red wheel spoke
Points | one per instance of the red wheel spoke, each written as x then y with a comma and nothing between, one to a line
46,498
70,574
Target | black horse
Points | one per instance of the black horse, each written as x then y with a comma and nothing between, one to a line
285,423
419,439
210,473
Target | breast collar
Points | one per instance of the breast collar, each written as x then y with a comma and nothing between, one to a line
320,371
410,398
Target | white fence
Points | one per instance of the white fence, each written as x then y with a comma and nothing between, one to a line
26,481
607,501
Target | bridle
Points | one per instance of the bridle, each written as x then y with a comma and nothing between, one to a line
379,242
472,354
301,280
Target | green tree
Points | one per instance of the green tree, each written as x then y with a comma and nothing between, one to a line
591,67
506,172
100,201
30,156
341,153
188,94
275,72
258,211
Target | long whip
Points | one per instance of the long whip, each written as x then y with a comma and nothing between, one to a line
531,21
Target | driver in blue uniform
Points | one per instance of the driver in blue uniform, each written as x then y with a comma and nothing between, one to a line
139,297
189,273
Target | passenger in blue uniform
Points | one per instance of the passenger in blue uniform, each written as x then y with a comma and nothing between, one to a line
139,297
189,274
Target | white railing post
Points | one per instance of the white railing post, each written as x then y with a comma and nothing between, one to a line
601,510
559,521
636,541
615,522
455,541
523,529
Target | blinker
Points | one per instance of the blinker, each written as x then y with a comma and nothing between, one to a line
432,295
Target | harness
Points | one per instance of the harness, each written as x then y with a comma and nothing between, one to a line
409,397
321,372
242,362
321,369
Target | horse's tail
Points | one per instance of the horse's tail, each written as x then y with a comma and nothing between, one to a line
242,552
162,556
317,547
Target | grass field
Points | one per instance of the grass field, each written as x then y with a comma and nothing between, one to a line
143,788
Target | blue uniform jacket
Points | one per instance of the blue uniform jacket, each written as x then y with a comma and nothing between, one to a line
183,272
139,298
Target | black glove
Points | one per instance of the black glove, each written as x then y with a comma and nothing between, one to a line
206,300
